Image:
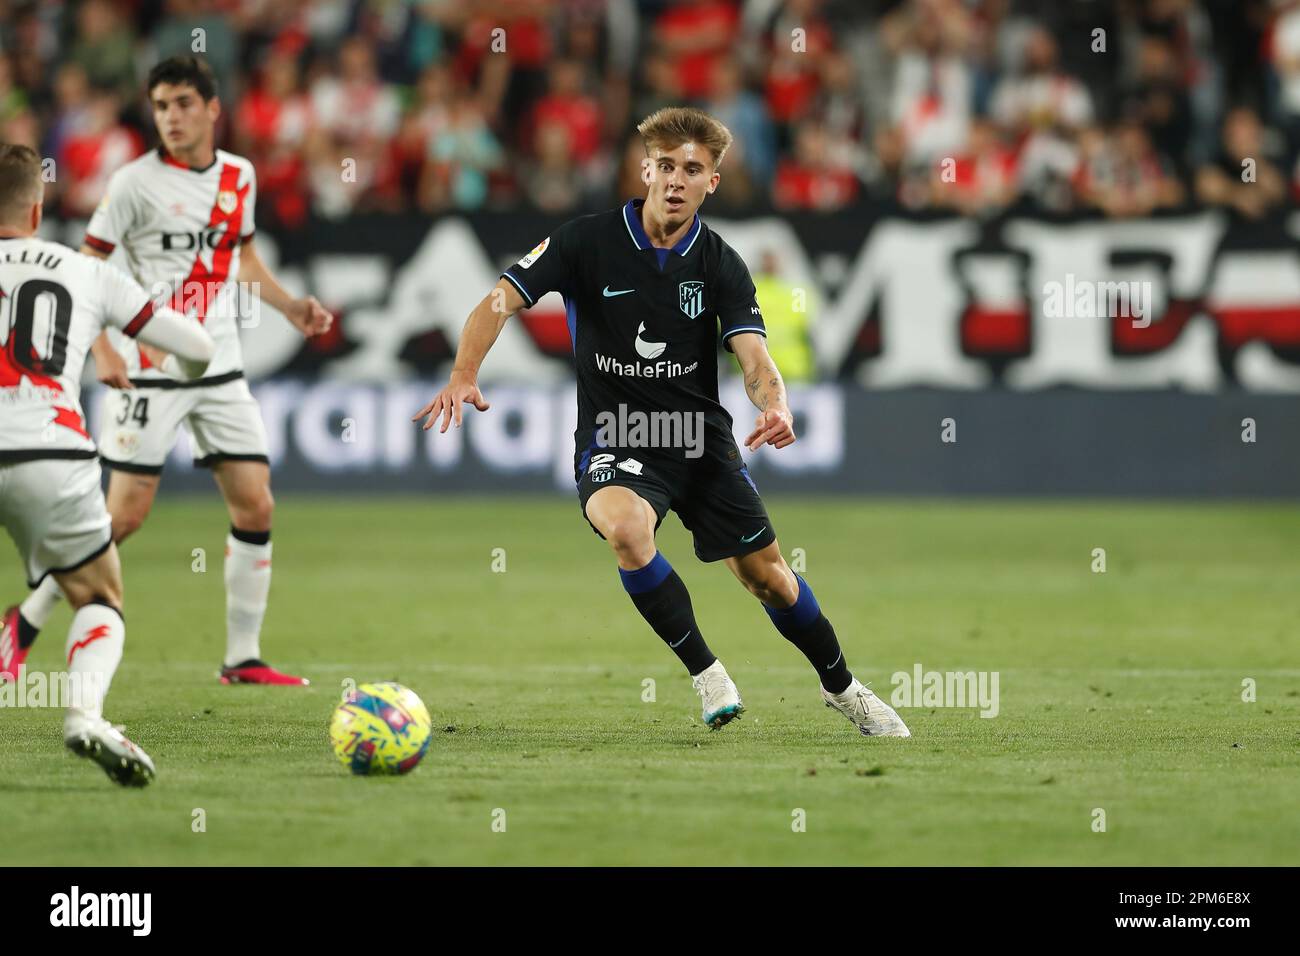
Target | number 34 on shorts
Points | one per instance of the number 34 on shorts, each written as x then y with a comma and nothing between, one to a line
134,408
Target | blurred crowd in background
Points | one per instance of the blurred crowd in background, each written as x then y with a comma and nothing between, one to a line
1122,108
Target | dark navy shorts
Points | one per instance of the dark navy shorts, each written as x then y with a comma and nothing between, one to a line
720,506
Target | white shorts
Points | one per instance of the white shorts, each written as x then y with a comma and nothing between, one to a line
54,510
139,426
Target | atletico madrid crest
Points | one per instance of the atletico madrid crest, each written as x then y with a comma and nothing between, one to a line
691,295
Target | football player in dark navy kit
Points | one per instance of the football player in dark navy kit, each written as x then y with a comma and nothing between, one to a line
648,290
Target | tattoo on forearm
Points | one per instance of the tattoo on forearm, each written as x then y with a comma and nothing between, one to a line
764,386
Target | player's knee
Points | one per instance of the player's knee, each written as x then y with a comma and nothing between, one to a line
254,512
774,585
627,534
109,595
127,521
105,592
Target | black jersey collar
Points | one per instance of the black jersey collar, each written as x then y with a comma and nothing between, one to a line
632,219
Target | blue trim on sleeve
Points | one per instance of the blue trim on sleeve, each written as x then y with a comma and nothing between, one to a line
744,328
520,286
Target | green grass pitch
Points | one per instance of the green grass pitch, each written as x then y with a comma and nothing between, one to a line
1119,690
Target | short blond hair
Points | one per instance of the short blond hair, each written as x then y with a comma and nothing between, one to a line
672,126
20,180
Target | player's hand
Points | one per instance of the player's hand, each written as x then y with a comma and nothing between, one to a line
155,356
309,317
110,368
775,427
449,403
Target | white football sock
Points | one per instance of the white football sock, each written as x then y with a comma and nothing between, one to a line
248,581
41,602
94,650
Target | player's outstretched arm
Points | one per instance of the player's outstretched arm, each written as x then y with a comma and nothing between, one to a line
306,315
188,346
481,330
110,367
766,389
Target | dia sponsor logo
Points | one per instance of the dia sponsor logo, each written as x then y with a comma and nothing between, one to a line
923,688
133,910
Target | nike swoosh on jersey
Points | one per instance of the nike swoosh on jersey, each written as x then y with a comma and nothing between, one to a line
610,295
754,535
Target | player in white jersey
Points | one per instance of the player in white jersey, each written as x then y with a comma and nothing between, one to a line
53,304
183,216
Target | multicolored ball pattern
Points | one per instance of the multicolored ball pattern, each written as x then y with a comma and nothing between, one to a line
381,729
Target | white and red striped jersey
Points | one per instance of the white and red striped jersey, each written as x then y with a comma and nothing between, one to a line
54,302
181,229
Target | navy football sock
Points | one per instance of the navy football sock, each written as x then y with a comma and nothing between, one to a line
26,632
661,597
805,626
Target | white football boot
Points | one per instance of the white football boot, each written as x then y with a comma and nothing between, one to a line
871,715
719,694
100,741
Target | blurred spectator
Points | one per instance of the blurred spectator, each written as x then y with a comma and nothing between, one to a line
604,36
1041,99
837,104
275,113
356,116
1176,51
71,116
93,152
352,104
695,34
506,45
425,119
1125,176
741,111
13,99
1159,99
932,91
567,104
984,174
273,120
186,21
32,44
660,87
795,45
817,176
1243,178
1043,110
463,156
105,48
554,182
21,127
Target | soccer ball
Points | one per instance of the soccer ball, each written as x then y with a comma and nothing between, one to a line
381,729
